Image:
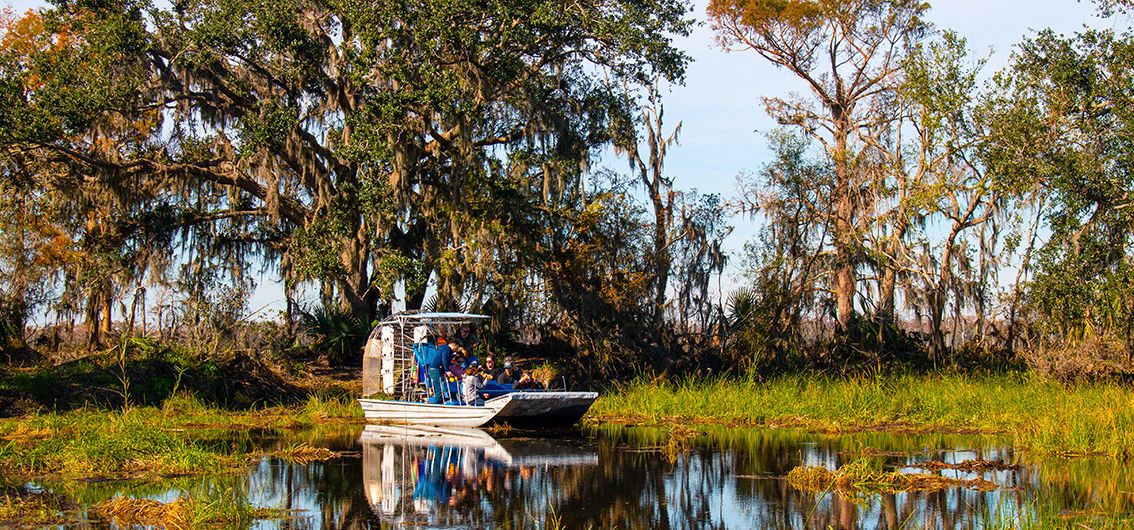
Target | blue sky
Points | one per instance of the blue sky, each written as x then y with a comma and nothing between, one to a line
723,123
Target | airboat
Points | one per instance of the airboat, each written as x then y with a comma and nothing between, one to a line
394,392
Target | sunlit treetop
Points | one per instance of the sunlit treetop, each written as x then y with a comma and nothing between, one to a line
748,23
758,13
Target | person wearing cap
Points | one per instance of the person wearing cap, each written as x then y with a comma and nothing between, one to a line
458,363
471,385
512,374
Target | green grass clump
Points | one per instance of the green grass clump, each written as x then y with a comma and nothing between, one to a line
1039,415
90,443
183,436
321,407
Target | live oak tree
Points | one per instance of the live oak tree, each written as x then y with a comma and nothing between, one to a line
1063,137
354,145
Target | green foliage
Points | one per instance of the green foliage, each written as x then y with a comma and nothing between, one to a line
339,335
354,145
782,265
1065,134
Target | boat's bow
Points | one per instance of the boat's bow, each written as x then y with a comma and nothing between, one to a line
542,408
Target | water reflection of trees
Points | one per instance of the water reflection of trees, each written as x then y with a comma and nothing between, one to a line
726,478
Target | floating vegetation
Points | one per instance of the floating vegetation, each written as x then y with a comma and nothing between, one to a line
125,511
972,466
185,513
874,451
858,478
304,454
31,510
500,429
679,441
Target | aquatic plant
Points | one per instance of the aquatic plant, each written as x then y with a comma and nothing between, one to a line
1034,414
31,510
211,508
302,453
859,478
184,436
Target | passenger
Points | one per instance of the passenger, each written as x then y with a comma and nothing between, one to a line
489,365
458,363
466,338
472,384
513,375
436,366
468,357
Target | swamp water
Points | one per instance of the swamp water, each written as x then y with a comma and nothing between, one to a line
634,477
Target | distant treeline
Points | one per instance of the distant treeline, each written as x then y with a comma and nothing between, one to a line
918,209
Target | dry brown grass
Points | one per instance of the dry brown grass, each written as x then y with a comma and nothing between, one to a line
183,513
31,511
1094,358
500,429
857,479
305,454
23,433
972,466
125,511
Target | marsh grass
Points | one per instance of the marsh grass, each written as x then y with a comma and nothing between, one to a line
1037,415
210,509
1044,514
302,453
31,510
183,436
326,406
860,479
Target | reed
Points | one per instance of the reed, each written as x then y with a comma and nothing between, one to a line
1035,414
327,407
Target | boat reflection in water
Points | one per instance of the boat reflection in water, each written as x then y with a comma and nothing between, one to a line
459,476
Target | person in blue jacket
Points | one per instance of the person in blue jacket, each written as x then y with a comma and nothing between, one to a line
435,366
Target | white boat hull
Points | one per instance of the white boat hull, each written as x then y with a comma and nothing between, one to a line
405,412
522,409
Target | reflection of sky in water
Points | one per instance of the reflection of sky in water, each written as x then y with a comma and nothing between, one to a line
637,478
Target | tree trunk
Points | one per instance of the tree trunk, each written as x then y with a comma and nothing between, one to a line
94,328
107,308
356,295
940,293
663,214
845,236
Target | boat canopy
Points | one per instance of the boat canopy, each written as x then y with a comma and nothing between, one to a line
388,357
435,317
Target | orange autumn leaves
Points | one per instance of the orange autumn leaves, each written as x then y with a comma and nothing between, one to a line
760,13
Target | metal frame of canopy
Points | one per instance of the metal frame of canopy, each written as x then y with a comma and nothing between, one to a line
388,364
